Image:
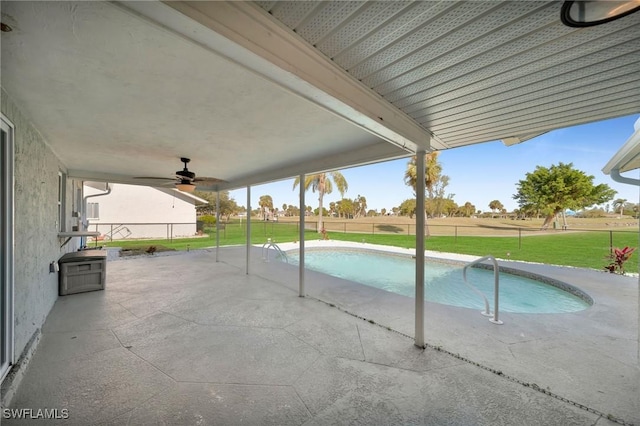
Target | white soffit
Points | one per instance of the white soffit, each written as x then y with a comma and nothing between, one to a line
118,95
270,49
475,71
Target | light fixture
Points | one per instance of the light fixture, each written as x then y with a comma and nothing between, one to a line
185,186
586,13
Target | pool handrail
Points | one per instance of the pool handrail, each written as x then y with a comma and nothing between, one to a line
266,246
496,291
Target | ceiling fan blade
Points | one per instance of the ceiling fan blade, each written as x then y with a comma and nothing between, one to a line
204,181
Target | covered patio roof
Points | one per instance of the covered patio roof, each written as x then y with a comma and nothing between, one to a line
259,91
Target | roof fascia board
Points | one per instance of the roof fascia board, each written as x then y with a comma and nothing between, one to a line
628,156
245,34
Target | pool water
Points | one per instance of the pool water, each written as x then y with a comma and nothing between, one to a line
443,282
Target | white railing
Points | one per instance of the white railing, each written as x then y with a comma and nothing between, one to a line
496,290
265,251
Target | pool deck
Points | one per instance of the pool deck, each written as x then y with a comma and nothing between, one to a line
181,339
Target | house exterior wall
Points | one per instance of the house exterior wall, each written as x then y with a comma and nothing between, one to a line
35,225
142,212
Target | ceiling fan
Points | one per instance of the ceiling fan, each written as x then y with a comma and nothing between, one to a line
185,180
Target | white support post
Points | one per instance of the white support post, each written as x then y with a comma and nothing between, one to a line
301,230
248,228
217,225
420,224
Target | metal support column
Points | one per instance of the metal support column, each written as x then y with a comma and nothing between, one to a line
420,224
217,225
248,227
301,230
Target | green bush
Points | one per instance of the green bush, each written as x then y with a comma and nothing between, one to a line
207,219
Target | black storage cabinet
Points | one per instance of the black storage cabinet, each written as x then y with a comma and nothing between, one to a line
82,271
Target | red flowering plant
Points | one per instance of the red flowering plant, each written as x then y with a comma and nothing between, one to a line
618,258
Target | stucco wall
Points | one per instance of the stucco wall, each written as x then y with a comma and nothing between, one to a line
36,240
132,206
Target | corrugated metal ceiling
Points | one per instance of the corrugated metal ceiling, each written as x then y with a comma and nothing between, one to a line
479,70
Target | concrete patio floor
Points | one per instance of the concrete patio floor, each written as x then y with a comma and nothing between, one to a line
182,339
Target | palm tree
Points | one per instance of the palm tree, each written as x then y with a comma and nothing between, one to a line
265,203
433,170
322,183
618,204
361,206
495,205
469,209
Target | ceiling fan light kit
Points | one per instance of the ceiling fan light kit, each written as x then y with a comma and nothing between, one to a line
185,187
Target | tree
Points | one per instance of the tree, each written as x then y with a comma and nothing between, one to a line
322,184
228,205
360,206
346,208
557,188
618,205
292,210
266,204
449,207
408,208
495,205
468,209
433,171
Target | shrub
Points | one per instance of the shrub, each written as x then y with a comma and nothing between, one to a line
207,219
618,259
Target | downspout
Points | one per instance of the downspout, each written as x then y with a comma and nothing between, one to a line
85,222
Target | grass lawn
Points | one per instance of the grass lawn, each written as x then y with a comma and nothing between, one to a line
580,249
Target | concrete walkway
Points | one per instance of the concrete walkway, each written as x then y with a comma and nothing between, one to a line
183,340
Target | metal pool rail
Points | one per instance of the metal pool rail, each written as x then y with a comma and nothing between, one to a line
496,273
265,251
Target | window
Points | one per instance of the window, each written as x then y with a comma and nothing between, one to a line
93,211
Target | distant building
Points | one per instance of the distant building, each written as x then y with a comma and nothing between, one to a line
132,211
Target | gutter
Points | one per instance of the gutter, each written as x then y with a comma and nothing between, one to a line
615,175
85,222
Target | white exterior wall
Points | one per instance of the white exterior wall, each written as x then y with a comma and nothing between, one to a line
35,227
129,207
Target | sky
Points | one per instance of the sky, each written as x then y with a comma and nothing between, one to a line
478,173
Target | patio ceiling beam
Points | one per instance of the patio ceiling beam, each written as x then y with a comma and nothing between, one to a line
247,35
370,154
356,157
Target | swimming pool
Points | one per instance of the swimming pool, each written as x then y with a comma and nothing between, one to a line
443,281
